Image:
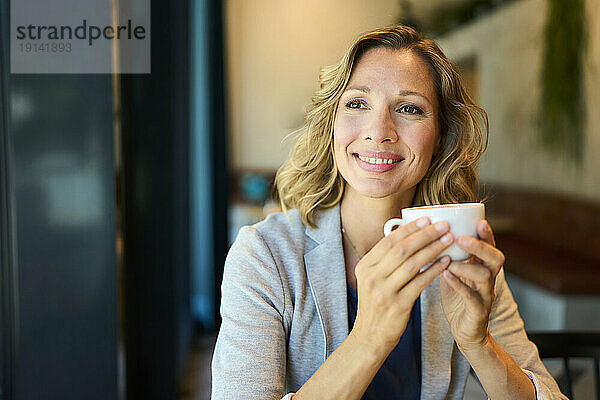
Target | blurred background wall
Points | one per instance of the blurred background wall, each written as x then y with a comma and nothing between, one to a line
507,48
274,53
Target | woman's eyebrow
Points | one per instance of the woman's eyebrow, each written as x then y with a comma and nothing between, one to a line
364,89
413,93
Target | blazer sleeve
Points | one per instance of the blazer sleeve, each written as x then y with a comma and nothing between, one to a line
249,359
507,329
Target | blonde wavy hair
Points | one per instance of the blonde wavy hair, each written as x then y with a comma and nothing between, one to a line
309,179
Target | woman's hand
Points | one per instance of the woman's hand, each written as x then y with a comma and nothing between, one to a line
389,281
467,288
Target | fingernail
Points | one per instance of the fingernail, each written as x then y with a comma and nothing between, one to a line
447,238
422,222
445,260
441,226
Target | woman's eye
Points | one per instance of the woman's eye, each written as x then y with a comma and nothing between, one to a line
355,104
410,109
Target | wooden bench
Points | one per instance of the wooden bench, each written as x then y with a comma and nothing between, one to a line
551,240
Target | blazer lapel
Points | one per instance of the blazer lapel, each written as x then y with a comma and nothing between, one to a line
436,345
326,272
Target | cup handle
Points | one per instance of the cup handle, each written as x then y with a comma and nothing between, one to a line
390,224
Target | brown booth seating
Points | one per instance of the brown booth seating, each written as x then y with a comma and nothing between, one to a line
551,240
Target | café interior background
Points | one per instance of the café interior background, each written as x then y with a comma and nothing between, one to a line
122,194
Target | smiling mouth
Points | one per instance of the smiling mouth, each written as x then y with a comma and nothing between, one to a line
375,161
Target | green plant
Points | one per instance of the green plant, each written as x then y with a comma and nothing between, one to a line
562,105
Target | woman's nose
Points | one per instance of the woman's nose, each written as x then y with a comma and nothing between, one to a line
382,128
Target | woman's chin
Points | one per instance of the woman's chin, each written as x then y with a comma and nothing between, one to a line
376,192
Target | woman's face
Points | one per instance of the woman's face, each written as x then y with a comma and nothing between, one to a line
385,128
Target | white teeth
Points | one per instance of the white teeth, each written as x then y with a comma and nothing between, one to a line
371,160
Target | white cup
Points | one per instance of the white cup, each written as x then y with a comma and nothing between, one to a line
462,218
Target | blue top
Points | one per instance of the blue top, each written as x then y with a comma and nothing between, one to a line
400,375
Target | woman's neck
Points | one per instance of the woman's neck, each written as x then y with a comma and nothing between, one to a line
363,217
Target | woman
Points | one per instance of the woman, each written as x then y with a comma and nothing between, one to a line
317,304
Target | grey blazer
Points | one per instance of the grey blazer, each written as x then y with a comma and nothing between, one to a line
284,311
